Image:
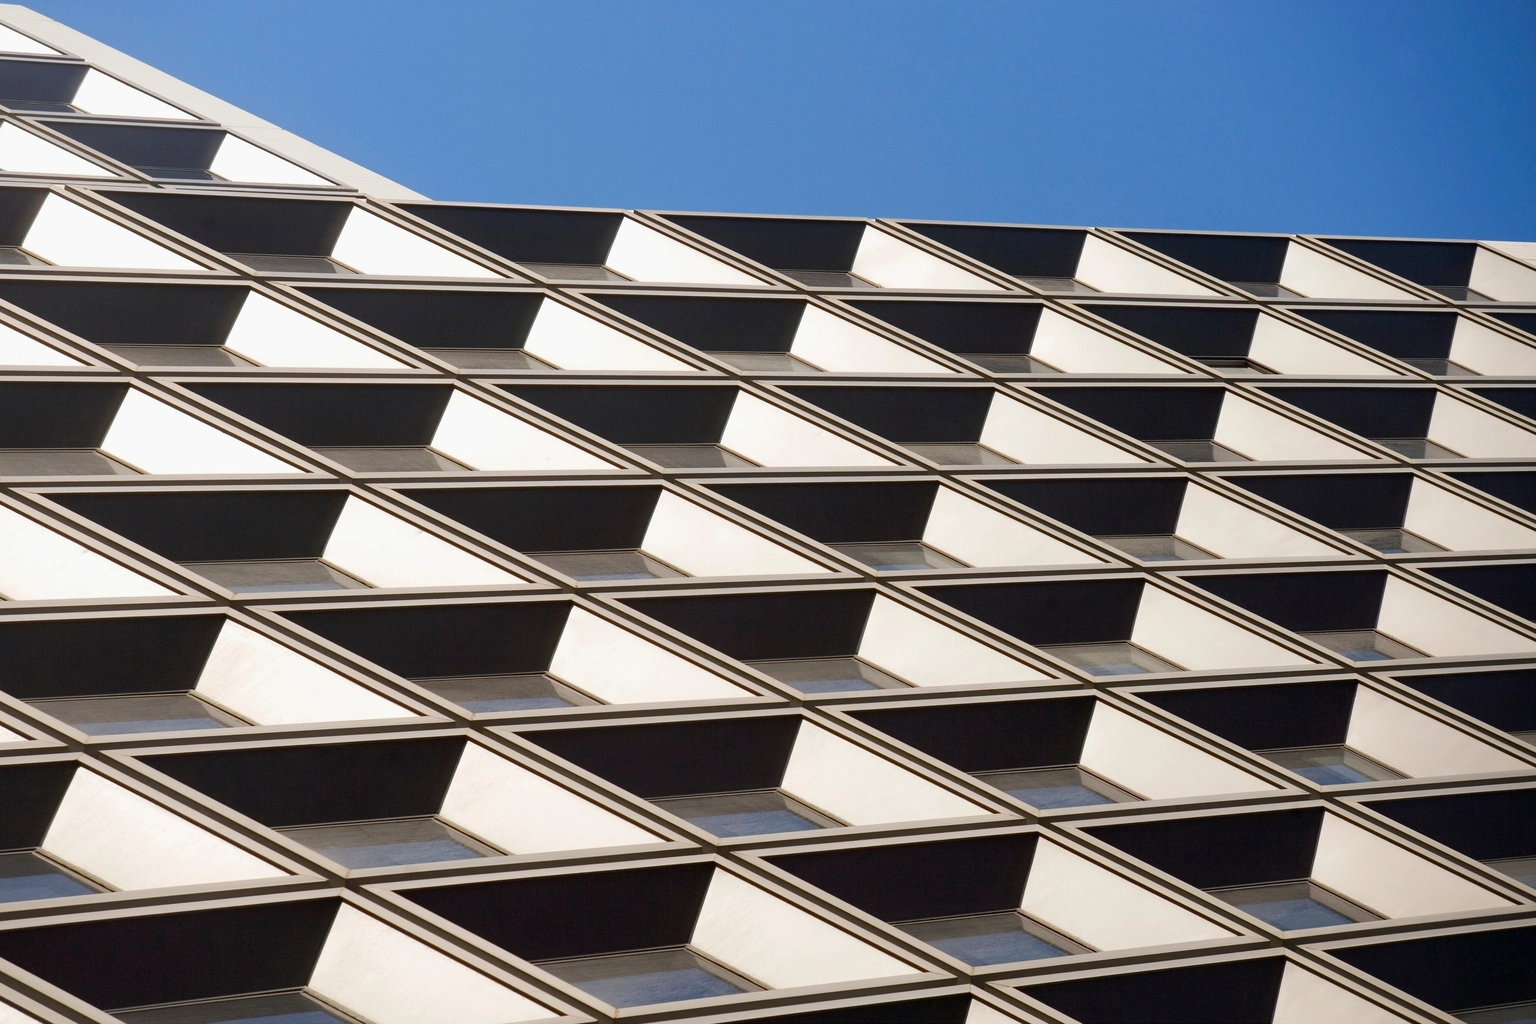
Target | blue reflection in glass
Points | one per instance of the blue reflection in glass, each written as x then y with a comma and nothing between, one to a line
659,987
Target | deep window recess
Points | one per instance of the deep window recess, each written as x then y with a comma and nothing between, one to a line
748,813
985,939
1293,905
373,844
293,1007
1330,765
827,675
1062,786
139,712
29,875
650,976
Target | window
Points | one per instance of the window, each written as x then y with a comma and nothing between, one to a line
1008,362
1363,645
1236,367
516,691
747,813
61,462
1110,659
26,875
1392,542
961,455
1504,1013
259,576
293,1007
279,264
1292,905
828,279
651,976
1458,292
15,256
689,456
984,939
1521,869
1158,547
1417,448
1330,765
574,272
827,675
1438,367
768,361
146,712
1198,451
1063,786
1266,289
1059,284
898,556
610,564
388,843
391,459
178,355
489,358
39,106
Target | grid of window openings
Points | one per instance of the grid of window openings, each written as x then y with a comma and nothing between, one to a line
447,613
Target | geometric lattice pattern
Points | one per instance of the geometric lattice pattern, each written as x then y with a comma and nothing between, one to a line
430,613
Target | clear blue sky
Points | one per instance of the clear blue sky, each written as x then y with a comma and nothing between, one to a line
1405,117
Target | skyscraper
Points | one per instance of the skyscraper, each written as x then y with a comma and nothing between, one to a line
451,613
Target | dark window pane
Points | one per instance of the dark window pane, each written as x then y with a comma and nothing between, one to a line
1458,292
162,712
983,939
1237,367
291,264
11,256
1199,451
894,556
39,106
60,462
827,675
373,844
751,813
180,173
1508,1013
1158,547
656,976
1292,905
574,272
1392,542
1417,448
1266,289
489,358
961,455
781,361
1068,786
26,876
1112,659
1059,284
522,691
1439,367
1330,765
688,456
1362,645
616,564
1521,869
275,574
400,459
178,355
272,1008
1008,362
827,279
